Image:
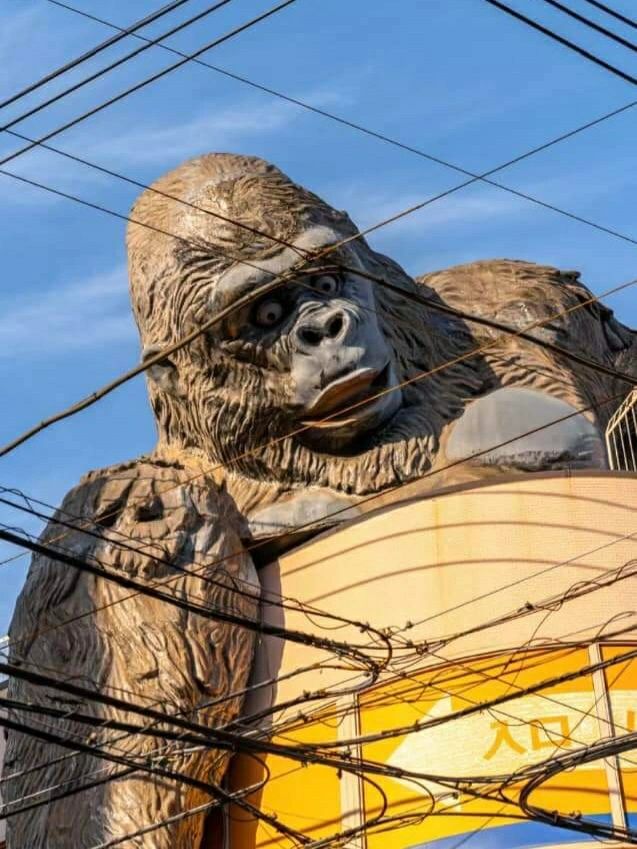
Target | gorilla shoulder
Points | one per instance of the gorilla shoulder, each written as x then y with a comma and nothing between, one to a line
146,518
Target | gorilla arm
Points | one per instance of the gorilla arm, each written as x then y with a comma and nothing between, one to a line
131,646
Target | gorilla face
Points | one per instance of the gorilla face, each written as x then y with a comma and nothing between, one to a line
293,389
320,336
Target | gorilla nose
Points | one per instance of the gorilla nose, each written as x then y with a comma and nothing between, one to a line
330,326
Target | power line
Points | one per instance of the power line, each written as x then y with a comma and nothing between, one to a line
153,78
73,63
212,789
292,605
561,40
587,22
468,354
108,68
314,752
351,125
364,129
596,3
216,613
567,596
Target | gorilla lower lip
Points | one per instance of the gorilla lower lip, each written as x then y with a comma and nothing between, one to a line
358,389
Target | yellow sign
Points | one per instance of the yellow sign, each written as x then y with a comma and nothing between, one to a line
487,744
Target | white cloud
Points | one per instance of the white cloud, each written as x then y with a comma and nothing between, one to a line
155,144
479,204
79,315
369,208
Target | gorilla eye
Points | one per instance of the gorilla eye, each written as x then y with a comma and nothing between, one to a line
268,313
326,284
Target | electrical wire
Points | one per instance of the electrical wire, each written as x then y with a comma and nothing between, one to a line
94,51
258,292
571,593
148,43
217,614
604,8
459,169
151,79
358,127
563,41
56,554
587,22
567,595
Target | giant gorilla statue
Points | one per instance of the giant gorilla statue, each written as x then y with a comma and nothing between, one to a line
288,411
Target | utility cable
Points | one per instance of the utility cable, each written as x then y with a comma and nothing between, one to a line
587,22
73,63
457,359
34,110
602,6
217,614
25,542
459,169
563,41
151,79
364,129
161,771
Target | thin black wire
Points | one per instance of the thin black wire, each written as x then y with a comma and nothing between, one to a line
563,41
438,306
596,3
365,130
153,78
34,110
587,22
212,789
578,589
623,658
459,169
339,648
319,752
73,63
250,590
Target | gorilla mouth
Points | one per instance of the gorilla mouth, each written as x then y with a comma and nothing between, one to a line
359,388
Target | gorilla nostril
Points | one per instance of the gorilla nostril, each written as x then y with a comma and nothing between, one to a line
310,336
335,326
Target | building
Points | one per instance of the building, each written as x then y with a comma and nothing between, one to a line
498,597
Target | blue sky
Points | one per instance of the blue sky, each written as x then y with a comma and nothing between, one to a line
456,78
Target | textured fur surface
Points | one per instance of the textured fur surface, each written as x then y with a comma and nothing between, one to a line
133,647
519,294
222,407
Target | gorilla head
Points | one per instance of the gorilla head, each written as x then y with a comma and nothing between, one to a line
328,343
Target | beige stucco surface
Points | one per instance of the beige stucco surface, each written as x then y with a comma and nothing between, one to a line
459,559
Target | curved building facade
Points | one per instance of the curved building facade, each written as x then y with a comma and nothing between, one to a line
507,591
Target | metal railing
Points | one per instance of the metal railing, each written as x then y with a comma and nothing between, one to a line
621,435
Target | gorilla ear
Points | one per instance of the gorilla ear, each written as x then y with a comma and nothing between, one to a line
164,374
